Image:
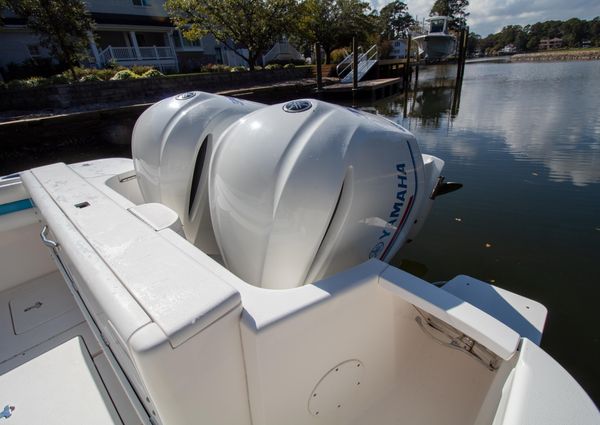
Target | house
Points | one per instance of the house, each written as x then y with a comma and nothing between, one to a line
509,49
398,49
128,32
550,43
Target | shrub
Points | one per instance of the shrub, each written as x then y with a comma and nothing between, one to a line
27,83
104,74
89,78
60,79
112,64
338,55
272,66
215,67
2,85
152,73
286,61
238,69
16,84
289,66
142,69
125,74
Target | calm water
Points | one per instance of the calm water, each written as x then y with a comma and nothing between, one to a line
525,142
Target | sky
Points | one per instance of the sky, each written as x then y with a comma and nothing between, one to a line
489,16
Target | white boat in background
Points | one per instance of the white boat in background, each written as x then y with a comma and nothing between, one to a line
437,44
236,272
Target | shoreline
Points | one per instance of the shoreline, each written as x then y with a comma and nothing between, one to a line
558,55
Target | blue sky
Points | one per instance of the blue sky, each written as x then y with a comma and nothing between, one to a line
489,16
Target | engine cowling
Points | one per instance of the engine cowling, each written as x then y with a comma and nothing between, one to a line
172,144
302,190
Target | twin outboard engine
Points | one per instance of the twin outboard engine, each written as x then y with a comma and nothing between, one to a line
296,191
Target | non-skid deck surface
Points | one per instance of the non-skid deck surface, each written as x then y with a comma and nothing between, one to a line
60,387
33,313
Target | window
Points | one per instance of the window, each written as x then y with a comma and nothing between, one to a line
34,50
141,2
194,43
218,55
182,42
437,25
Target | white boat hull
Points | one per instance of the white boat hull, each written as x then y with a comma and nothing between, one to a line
436,46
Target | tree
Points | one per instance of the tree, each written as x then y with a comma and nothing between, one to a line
455,9
527,38
253,24
3,5
355,21
395,19
574,31
473,42
594,28
440,8
63,27
318,24
333,23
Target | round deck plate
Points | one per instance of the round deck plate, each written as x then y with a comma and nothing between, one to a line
339,389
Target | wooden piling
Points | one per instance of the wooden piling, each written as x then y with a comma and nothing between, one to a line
460,69
319,68
465,43
462,53
417,72
354,68
407,65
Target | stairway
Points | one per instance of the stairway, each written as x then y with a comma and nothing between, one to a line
365,63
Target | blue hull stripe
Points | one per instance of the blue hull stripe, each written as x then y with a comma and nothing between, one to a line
11,207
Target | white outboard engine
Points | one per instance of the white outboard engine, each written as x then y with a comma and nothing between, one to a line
302,190
172,144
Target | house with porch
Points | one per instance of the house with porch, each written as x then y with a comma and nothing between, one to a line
550,43
127,32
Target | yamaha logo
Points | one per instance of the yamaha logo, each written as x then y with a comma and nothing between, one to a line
297,106
186,96
376,250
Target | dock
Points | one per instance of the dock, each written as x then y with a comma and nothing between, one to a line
369,89
373,78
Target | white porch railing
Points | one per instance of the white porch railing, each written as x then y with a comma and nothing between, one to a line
162,57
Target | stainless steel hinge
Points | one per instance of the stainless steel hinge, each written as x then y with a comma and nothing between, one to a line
451,337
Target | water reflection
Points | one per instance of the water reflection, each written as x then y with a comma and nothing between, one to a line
546,115
550,117
431,106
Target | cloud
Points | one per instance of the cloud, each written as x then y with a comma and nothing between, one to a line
507,109
489,16
539,132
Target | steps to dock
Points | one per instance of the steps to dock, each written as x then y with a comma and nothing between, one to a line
365,62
